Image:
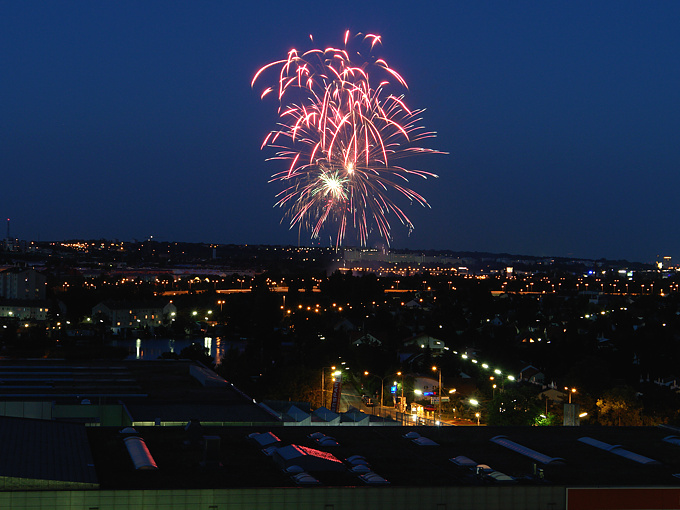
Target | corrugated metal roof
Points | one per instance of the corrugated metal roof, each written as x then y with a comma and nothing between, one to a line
45,450
397,459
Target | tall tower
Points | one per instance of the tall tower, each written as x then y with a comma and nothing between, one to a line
8,229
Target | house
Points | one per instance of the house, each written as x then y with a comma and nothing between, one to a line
413,304
358,339
24,309
121,315
554,395
426,341
532,374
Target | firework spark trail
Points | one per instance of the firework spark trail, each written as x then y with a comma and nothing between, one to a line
341,136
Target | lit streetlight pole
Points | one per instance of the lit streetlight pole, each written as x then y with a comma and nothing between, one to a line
571,417
323,385
403,404
478,414
382,387
572,390
439,393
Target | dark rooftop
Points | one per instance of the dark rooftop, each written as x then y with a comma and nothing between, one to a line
151,390
38,454
398,459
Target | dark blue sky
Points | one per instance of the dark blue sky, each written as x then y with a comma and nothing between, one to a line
124,119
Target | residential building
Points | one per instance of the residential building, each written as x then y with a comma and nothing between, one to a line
122,315
18,283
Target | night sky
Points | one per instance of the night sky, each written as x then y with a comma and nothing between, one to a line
129,119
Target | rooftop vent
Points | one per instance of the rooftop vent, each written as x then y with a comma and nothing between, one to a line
499,477
483,469
360,469
323,439
355,460
672,440
618,450
527,452
327,441
269,450
424,441
463,461
139,453
265,438
373,479
304,479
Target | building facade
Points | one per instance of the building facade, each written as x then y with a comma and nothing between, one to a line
17,283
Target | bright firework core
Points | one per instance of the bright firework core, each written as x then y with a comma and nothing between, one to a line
340,137
333,185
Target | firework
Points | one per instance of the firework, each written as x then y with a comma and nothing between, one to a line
341,137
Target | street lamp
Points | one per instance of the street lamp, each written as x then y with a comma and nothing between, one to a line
382,387
323,385
403,404
572,390
475,403
439,393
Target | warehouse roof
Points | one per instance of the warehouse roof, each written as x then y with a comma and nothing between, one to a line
391,456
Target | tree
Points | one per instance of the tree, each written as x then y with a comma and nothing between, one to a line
296,383
619,406
514,406
547,420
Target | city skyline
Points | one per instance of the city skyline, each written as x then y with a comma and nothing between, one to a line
127,120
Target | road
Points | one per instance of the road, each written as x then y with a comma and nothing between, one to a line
351,398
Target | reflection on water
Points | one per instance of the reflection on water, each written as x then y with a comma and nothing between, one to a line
152,348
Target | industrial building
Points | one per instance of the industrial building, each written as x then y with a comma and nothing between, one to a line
184,438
